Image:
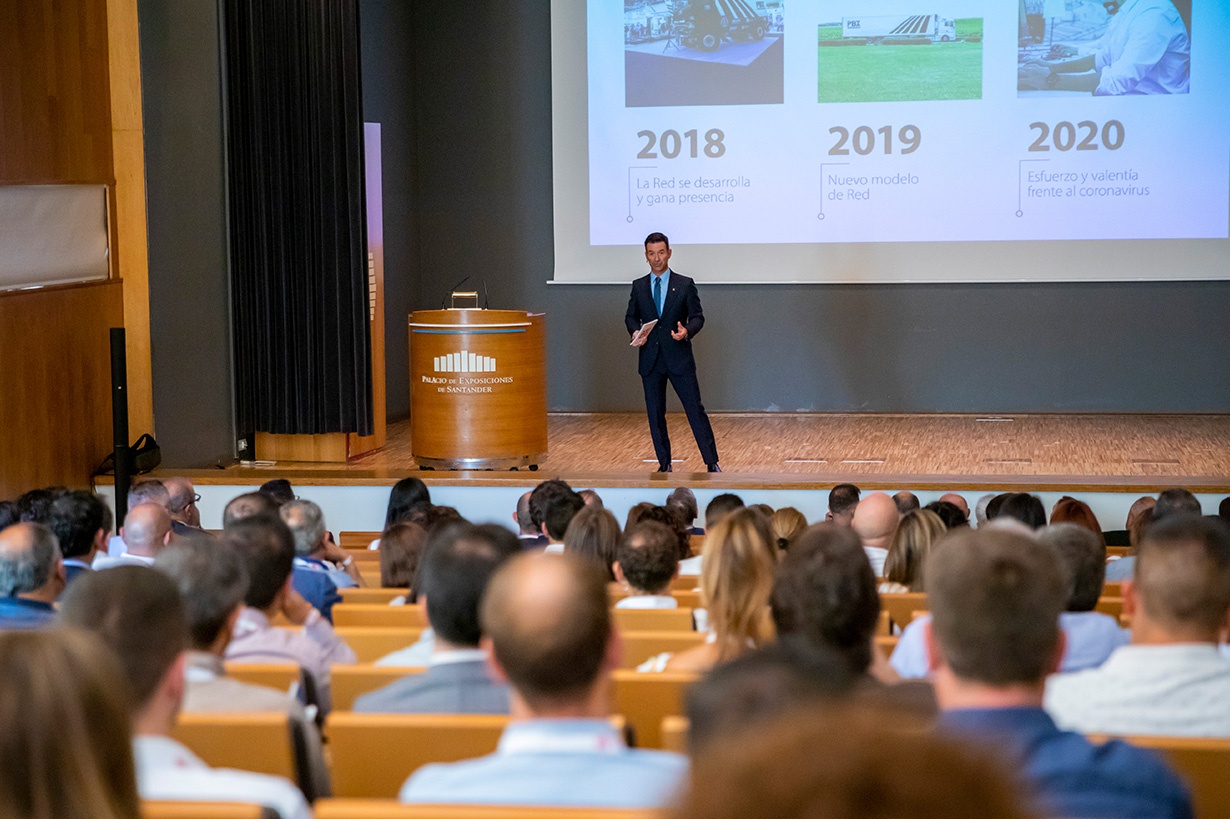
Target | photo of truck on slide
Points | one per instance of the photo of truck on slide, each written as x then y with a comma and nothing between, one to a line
705,24
900,27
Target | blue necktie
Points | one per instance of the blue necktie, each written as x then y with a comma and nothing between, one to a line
657,294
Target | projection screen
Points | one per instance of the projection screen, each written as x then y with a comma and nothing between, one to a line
892,141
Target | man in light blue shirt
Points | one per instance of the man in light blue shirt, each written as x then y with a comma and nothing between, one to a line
547,630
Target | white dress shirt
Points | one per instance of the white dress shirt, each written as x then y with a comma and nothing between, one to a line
127,559
1172,690
1145,50
690,566
877,556
169,772
648,601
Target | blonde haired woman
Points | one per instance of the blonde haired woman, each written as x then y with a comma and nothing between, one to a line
786,524
66,747
736,579
903,568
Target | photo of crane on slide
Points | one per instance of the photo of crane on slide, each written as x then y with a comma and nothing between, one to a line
706,24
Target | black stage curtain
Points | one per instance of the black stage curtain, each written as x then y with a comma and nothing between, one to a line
298,234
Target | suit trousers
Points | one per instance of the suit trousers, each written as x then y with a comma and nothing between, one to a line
688,389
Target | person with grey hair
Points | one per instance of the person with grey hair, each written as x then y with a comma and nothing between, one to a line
146,532
1091,636
314,550
213,581
148,491
980,509
31,575
185,516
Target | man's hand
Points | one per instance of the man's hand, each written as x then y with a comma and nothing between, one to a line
640,342
295,607
681,333
1034,73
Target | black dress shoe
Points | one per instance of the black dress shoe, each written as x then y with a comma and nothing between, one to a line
713,468
666,468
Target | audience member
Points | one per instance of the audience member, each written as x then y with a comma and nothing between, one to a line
9,514
636,513
267,550
958,501
994,505
1089,636
547,631
758,687
315,551
1070,510
147,491
764,509
67,746
591,498
456,571
247,505
542,496
1139,519
146,532
1024,507
401,550
31,576
592,535
875,522
181,503
77,519
34,506
137,612
528,533
735,583
950,514
786,524
904,568
1171,680
1223,510
843,498
906,502
1175,501
721,506
684,501
212,583
405,497
646,560
980,509
558,510
845,762
279,491
994,637
433,518
671,519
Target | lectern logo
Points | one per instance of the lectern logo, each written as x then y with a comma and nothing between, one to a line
464,362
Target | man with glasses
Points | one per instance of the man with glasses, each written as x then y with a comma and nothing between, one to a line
185,517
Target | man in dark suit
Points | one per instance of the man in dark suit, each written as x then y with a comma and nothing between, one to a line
666,353
459,562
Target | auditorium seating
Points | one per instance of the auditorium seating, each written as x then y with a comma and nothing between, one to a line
901,607
260,742
378,614
685,599
356,540
639,646
282,676
349,682
204,810
675,733
370,594
645,699
370,643
653,619
390,809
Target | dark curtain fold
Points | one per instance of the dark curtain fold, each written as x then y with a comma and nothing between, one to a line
298,230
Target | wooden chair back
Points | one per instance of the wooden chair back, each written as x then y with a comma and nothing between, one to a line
675,734
1112,606
259,742
645,699
685,582
282,676
1118,551
884,625
365,556
204,810
370,643
1203,763
1112,590
357,540
639,646
349,682
391,809
885,643
653,619
378,614
369,594
901,607
697,542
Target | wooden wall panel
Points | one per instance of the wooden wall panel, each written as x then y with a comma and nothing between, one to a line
55,100
55,419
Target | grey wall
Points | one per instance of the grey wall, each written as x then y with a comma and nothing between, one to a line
482,97
189,310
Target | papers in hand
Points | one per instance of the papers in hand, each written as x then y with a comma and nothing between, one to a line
643,333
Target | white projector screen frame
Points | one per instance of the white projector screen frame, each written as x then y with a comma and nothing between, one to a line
53,234
579,262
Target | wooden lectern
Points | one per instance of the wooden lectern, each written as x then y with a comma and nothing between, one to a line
478,389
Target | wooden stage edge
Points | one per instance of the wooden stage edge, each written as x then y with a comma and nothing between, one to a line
808,451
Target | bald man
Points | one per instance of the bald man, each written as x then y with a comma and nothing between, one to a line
957,501
146,531
31,575
529,534
875,523
547,631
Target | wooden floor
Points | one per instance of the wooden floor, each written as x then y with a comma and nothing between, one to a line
1059,452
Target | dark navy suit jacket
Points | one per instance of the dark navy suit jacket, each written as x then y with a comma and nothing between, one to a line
680,305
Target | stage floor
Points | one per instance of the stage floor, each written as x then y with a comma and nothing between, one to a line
776,450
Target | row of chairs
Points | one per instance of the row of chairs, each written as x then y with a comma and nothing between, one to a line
373,614
386,809
360,542
904,607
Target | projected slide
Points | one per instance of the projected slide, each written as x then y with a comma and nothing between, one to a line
813,122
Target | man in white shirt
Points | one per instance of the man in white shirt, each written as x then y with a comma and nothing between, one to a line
646,560
875,522
146,531
1172,680
137,611
547,629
